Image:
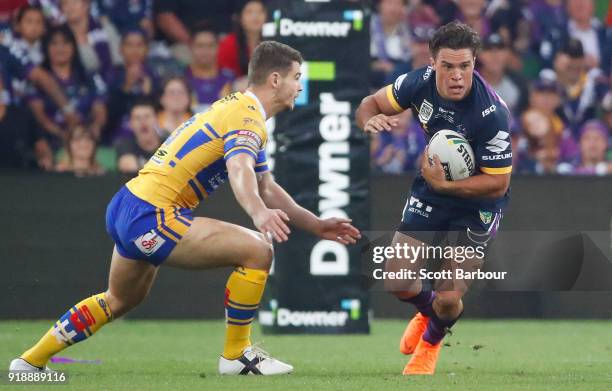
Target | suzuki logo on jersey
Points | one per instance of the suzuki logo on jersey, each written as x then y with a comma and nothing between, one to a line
498,143
489,111
498,157
425,111
149,242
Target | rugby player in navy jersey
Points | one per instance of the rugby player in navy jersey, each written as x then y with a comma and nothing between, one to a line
448,94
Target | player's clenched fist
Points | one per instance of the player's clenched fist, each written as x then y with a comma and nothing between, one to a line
379,123
271,223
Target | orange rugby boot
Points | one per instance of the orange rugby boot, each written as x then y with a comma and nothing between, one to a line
412,335
424,359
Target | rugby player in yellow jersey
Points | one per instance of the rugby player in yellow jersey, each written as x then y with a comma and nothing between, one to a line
151,222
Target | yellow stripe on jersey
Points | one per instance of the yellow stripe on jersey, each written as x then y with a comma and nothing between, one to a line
496,171
396,106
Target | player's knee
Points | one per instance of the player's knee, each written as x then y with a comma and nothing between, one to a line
261,254
120,305
447,304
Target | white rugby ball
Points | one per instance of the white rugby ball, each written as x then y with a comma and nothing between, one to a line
455,153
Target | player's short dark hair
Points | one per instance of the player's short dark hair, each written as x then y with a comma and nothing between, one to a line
455,35
271,56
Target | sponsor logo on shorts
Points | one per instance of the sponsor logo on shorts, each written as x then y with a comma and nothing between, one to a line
149,243
414,205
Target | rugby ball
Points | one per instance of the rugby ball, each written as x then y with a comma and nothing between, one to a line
455,153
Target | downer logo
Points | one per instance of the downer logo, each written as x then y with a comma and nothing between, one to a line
286,317
288,27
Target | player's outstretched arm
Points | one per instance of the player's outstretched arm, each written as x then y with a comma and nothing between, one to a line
337,229
373,114
270,222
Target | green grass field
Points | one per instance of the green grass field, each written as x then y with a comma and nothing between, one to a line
484,355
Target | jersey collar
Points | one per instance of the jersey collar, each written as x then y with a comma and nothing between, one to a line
256,99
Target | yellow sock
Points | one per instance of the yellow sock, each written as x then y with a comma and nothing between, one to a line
80,322
242,295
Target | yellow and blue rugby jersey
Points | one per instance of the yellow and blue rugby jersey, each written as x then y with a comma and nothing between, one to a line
190,164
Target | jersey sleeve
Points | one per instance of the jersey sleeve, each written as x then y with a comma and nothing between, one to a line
244,134
494,145
401,93
261,164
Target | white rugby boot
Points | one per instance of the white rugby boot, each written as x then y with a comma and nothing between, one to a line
19,364
254,361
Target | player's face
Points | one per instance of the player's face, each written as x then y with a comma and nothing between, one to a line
454,72
290,87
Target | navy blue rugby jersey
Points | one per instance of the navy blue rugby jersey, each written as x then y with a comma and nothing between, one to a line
482,117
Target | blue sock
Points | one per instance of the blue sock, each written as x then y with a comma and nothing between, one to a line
437,328
423,302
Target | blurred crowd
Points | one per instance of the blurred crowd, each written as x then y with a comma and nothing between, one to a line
91,86
549,60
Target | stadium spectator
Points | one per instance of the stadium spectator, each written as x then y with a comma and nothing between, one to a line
421,14
80,154
136,14
175,19
133,151
236,48
208,82
7,8
548,19
582,25
593,149
28,30
582,88
419,49
538,151
129,82
509,20
544,134
21,145
472,13
98,44
175,104
389,40
493,60
86,92
398,151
